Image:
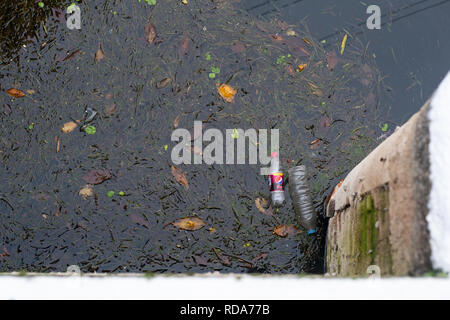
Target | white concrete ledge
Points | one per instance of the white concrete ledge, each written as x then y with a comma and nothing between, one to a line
226,287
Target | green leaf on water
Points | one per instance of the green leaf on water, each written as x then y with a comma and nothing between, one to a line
90,130
208,56
110,194
31,126
212,75
385,127
121,193
40,4
215,70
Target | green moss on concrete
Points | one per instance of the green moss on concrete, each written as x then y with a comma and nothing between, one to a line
363,236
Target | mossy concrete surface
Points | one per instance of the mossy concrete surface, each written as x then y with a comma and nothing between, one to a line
360,236
378,213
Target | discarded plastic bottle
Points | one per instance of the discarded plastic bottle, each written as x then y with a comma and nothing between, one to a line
301,198
276,181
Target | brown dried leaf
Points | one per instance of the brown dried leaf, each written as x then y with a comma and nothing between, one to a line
150,32
284,230
263,206
99,55
163,83
332,60
69,127
223,259
180,177
16,93
97,176
201,261
176,122
190,223
238,47
185,44
315,90
139,219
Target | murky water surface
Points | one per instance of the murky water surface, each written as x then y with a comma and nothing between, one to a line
330,115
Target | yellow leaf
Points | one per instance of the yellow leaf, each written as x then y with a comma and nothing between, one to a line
343,43
190,224
227,92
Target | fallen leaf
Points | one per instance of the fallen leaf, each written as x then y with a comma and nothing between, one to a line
259,256
99,55
140,220
150,32
315,90
184,46
190,223
97,176
86,191
291,33
307,41
315,144
180,177
176,122
110,109
201,261
31,91
7,109
69,126
332,60
227,92
238,47
223,259
58,144
71,56
301,67
16,93
212,230
163,83
284,230
343,43
276,37
262,205
289,70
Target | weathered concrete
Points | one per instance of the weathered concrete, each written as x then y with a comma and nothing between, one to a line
377,216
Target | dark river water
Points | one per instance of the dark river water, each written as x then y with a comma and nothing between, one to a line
105,195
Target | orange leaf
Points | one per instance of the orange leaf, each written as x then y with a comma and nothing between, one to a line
227,92
284,230
301,67
16,93
190,224
180,177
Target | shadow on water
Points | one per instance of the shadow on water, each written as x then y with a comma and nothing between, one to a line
328,113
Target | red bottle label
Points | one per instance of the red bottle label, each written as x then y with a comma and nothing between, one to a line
276,181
